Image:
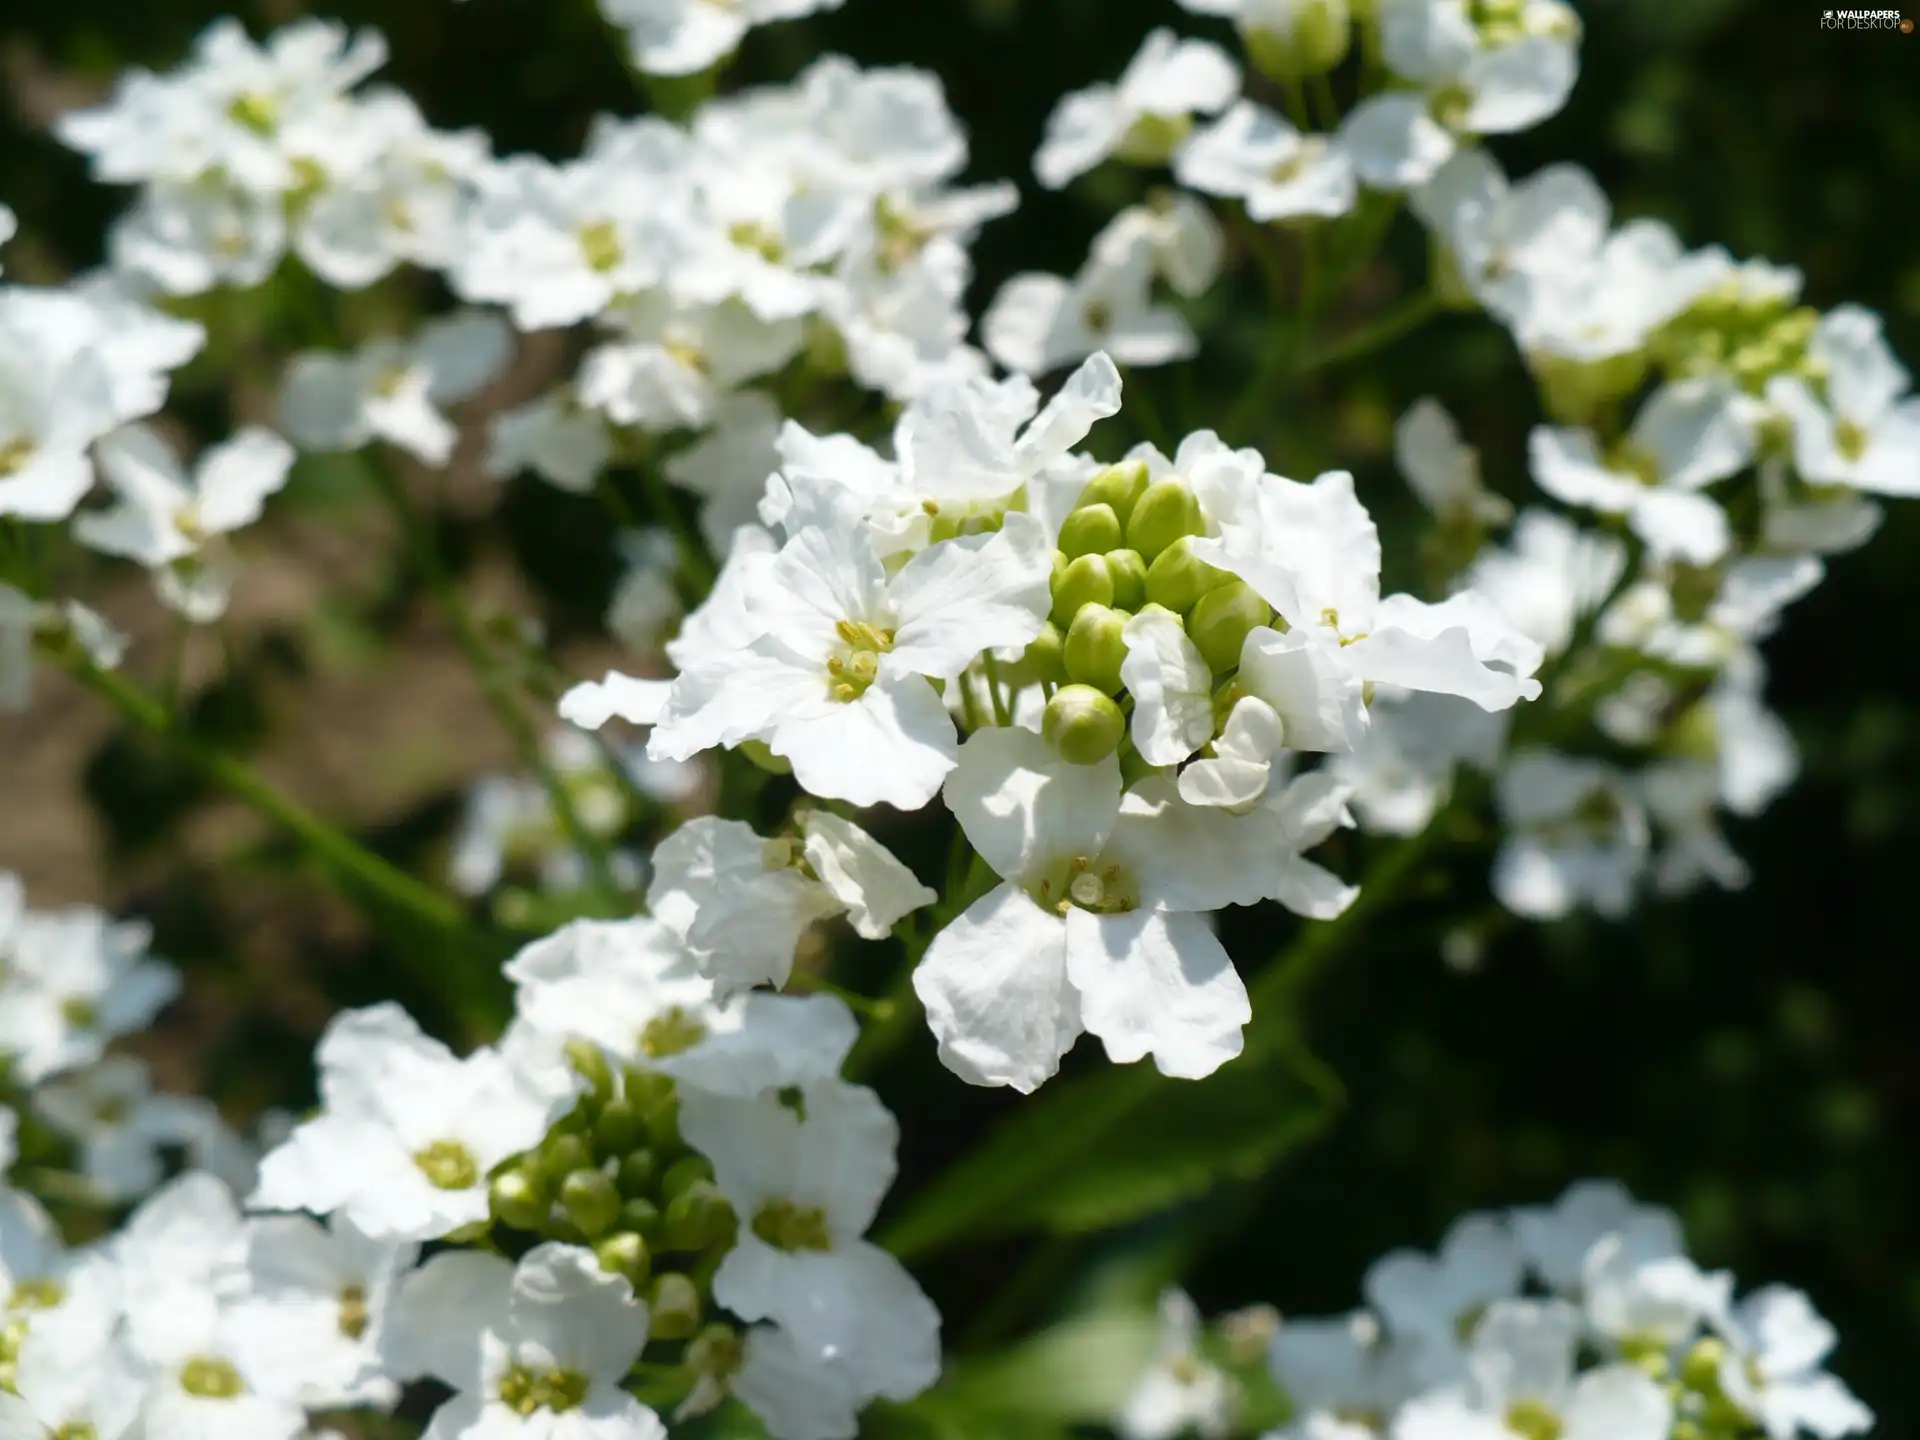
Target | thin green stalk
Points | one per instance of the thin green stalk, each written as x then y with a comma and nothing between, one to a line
1002,710
898,1012
353,863
1329,107
1400,321
499,690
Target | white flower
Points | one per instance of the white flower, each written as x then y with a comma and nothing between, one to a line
1093,928
1251,154
180,1257
72,1375
729,465
1691,434
1866,435
1425,1297
1467,86
1521,1381
56,398
189,237
109,1109
1511,242
805,1180
1341,1373
838,680
76,979
630,987
1772,1370
407,1133
1609,305
1402,770
1683,795
674,363
391,390
1180,1392
1578,836
534,1351
1040,323
1557,1238
315,1308
1550,577
680,37
1442,470
1143,116
1637,1290
1312,552
554,437
171,524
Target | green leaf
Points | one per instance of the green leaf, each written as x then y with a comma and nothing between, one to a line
1048,1167
1077,1373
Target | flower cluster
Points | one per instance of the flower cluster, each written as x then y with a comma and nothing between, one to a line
1580,1320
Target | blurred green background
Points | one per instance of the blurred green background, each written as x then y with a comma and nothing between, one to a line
1751,1059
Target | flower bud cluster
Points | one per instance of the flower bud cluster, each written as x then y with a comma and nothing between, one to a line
1584,1317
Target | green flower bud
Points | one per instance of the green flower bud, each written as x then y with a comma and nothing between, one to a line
1083,725
516,1198
1574,393
625,1253
591,1201
663,1125
1222,619
1090,530
758,752
1177,578
590,1064
638,1170
945,526
1153,139
1167,510
1700,1367
1129,573
716,1350
1044,658
1315,41
1096,646
561,1155
620,1127
695,1218
684,1174
1085,581
1134,767
1118,487
674,1307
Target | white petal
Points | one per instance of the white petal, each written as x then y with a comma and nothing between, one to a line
1310,684
1022,806
1519,85
1394,143
235,479
1567,465
1081,132
1678,525
979,592
1157,984
893,746
1617,1402
1697,430
591,704
1450,649
1172,689
863,875
994,984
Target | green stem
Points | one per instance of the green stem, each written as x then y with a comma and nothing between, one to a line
1402,320
497,687
897,1014
352,862
1002,711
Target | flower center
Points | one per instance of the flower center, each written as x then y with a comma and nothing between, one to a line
255,111
1330,618
75,1430
36,1295
1533,1420
1635,460
1450,106
600,245
672,1032
14,456
1850,440
1082,884
353,1312
525,1390
1295,165
1098,315
79,1012
790,1227
752,236
211,1379
856,668
448,1165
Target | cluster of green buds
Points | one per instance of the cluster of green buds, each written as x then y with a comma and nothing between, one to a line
1701,1407
616,1175
1750,336
1126,548
1581,392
